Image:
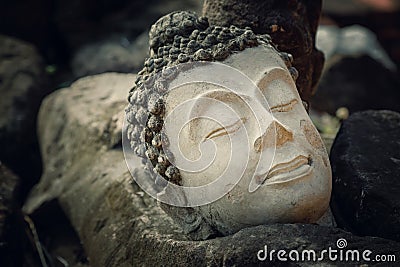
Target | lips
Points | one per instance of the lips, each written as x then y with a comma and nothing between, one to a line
295,169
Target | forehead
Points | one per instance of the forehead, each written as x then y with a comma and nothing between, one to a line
242,73
256,62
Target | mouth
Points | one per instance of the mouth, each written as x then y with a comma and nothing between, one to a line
295,169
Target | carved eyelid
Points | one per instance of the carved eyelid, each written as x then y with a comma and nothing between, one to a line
226,130
284,107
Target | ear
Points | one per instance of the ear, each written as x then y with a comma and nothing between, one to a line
190,221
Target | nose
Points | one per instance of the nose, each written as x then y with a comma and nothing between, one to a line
275,135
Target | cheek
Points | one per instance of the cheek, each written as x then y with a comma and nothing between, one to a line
311,134
313,138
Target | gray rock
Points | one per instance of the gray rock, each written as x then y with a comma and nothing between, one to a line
365,161
116,54
23,85
357,83
118,224
358,74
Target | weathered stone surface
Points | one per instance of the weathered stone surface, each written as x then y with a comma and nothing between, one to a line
84,118
291,24
22,87
114,55
118,224
365,161
21,75
357,83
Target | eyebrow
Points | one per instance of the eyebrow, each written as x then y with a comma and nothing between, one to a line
284,107
226,130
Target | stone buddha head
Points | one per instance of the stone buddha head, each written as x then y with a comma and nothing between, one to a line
224,136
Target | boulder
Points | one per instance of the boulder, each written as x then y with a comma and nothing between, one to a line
358,73
117,223
365,160
357,83
117,55
23,85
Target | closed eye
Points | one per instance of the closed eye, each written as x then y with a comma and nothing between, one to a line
284,107
226,130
